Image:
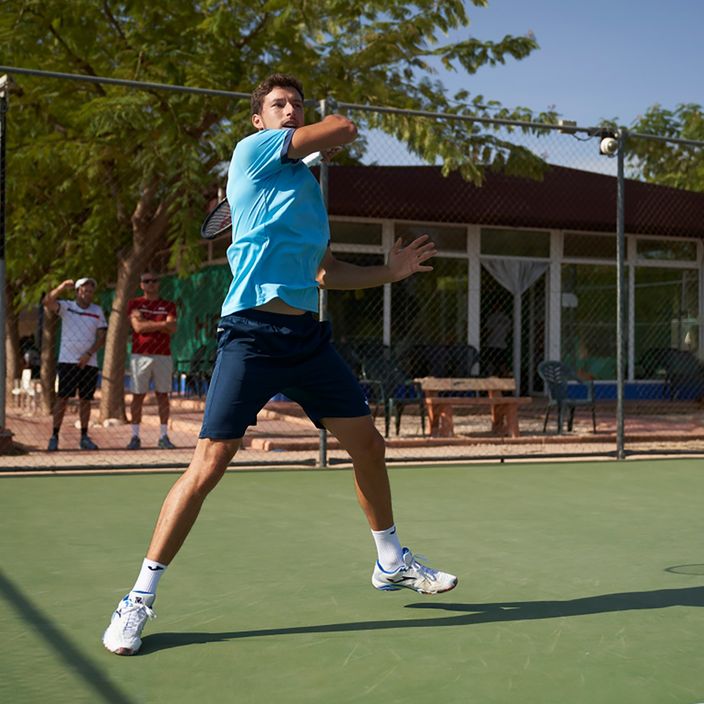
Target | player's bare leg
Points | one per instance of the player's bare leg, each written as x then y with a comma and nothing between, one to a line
396,567
178,514
185,499
365,445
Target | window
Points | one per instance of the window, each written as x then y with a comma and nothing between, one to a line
666,313
355,233
589,246
589,319
447,239
515,243
667,250
429,319
357,316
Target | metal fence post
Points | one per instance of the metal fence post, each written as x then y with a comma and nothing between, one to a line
4,89
323,295
620,293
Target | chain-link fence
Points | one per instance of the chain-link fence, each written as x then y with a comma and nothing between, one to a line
510,346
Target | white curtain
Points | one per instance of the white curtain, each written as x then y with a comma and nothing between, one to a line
516,276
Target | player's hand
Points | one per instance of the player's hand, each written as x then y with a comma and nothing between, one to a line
83,360
69,283
406,261
329,154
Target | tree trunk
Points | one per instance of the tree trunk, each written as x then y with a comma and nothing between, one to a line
112,390
48,361
147,238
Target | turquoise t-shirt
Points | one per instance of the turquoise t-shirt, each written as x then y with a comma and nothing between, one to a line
280,228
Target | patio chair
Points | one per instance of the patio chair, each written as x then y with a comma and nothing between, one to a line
456,360
557,377
199,371
387,384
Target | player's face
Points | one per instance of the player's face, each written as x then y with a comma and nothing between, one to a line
283,107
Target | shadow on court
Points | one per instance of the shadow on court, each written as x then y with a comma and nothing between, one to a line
469,615
61,645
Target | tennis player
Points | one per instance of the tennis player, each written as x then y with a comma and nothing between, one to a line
270,341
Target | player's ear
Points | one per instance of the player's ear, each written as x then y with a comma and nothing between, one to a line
257,121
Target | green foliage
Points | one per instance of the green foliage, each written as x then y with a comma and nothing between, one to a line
670,164
89,163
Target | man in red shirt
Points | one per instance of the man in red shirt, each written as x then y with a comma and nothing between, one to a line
153,321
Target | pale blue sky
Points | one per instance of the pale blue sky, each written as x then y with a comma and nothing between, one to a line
597,59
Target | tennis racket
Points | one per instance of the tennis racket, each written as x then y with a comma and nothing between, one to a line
219,220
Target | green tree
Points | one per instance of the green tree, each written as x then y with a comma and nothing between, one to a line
126,173
668,163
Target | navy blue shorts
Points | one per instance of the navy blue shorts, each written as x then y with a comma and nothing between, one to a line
261,354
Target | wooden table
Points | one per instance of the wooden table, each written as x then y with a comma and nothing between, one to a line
439,395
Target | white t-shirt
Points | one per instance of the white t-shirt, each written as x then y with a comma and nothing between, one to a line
78,330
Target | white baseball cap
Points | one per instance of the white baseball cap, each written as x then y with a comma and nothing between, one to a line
85,280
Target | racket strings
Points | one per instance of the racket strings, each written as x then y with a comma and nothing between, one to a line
218,222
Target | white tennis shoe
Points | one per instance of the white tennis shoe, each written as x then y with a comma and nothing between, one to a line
123,635
413,575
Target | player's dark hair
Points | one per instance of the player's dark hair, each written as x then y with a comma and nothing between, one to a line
276,80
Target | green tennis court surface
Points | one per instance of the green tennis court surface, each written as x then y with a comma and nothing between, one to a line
579,583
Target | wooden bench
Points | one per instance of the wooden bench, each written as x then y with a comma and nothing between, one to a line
504,409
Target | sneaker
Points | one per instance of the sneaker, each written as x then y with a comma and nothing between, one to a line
413,575
165,443
53,444
135,443
122,636
87,444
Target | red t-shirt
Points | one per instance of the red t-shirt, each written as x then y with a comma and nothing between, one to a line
157,311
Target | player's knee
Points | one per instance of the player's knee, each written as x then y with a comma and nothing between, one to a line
371,447
209,464
205,479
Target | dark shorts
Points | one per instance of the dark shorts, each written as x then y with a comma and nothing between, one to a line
261,354
72,377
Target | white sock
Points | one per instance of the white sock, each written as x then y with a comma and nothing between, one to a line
164,429
388,549
149,577
135,430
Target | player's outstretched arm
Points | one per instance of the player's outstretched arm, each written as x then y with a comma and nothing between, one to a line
332,132
402,262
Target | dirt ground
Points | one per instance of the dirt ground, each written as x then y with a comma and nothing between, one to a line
284,436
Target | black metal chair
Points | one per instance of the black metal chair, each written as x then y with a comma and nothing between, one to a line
199,371
557,377
451,360
389,386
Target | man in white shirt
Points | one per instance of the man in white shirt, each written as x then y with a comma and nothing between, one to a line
83,332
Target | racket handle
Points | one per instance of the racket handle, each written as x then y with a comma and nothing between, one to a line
312,159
